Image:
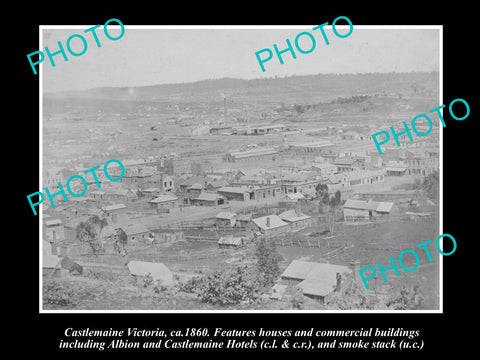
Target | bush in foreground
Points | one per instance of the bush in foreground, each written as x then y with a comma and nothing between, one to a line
56,293
239,284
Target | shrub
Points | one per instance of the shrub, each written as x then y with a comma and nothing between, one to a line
55,293
242,283
267,262
229,287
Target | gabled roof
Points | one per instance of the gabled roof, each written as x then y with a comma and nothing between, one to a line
151,190
233,189
225,215
217,183
230,240
323,165
113,207
133,229
385,207
208,196
53,222
295,196
309,192
163,198
344,161
361,204
292,216
298,270
317,278
196,186
275,222
336,178
158,271
368,205
322,279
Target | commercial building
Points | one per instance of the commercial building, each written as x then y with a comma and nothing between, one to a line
163,202
250,155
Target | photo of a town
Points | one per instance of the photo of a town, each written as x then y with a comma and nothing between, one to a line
259,193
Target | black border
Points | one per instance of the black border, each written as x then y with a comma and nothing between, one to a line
440,332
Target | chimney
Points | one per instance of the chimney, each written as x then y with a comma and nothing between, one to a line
297,210
355,266
268,221
339,282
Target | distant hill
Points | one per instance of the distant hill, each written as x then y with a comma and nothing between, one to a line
302,89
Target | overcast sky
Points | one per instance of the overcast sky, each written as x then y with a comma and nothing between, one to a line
158,56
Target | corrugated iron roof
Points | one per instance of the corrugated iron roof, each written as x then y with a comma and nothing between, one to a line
230,240
361,204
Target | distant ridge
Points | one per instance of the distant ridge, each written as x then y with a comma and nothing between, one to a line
298,86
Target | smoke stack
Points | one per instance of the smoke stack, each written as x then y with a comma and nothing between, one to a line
225,109
268,221
355,266
339,282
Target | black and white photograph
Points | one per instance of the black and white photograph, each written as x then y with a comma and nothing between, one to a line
233,188
289,179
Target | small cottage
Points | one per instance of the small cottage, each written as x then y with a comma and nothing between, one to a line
360,210
317,280
271,225
229,242
163,202
158,272
296,219
136,232
225,219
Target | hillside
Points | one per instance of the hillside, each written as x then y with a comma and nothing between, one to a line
301,89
